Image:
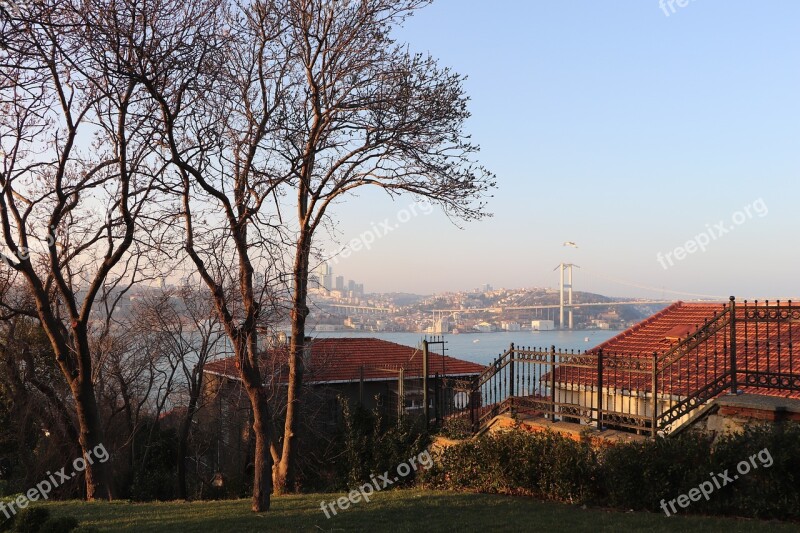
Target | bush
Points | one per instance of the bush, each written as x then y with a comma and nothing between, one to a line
86,529
153,485
62,524
638,475
545,464
770,485
456,429
31,520
634,475
154,477
373,445
6,524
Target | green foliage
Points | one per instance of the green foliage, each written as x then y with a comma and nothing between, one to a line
6,524
155,478
31,520
86,529
764,491
371,444
153,485
62,524
545,464
7,433
456,429
634,475
637,475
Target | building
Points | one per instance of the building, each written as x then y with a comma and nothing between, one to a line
340,283
382,376
510,326
542,325
692,365
661,371
369,371
328,327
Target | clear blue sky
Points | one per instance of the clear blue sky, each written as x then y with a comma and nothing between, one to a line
619,128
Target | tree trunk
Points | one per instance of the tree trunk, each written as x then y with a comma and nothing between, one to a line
262,462
183,446
91,438
262,476
286,472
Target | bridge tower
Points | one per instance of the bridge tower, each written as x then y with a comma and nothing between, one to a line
565,267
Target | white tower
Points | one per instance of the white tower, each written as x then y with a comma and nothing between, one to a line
568,285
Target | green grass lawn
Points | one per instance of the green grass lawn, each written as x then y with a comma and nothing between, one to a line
396,510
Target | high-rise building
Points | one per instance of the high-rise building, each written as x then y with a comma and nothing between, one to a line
339,283
321,277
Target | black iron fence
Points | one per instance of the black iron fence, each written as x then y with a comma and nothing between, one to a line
749,345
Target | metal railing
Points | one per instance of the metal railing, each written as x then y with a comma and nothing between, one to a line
751,345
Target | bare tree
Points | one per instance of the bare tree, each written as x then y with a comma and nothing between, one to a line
309,98
189,335
74,180
363,111
216,79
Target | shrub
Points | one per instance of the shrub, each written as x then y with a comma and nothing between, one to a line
6,524
31,520
456,429
763,491
153,485
154,476
634,475
667,468
62,524
373,445
638,475
542,464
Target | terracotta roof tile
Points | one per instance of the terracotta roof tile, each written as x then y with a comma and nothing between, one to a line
765,346
341,359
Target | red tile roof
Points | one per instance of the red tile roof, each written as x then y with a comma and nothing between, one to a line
762,345
340,360
658,332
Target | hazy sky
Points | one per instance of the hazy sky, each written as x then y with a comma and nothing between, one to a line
612,125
